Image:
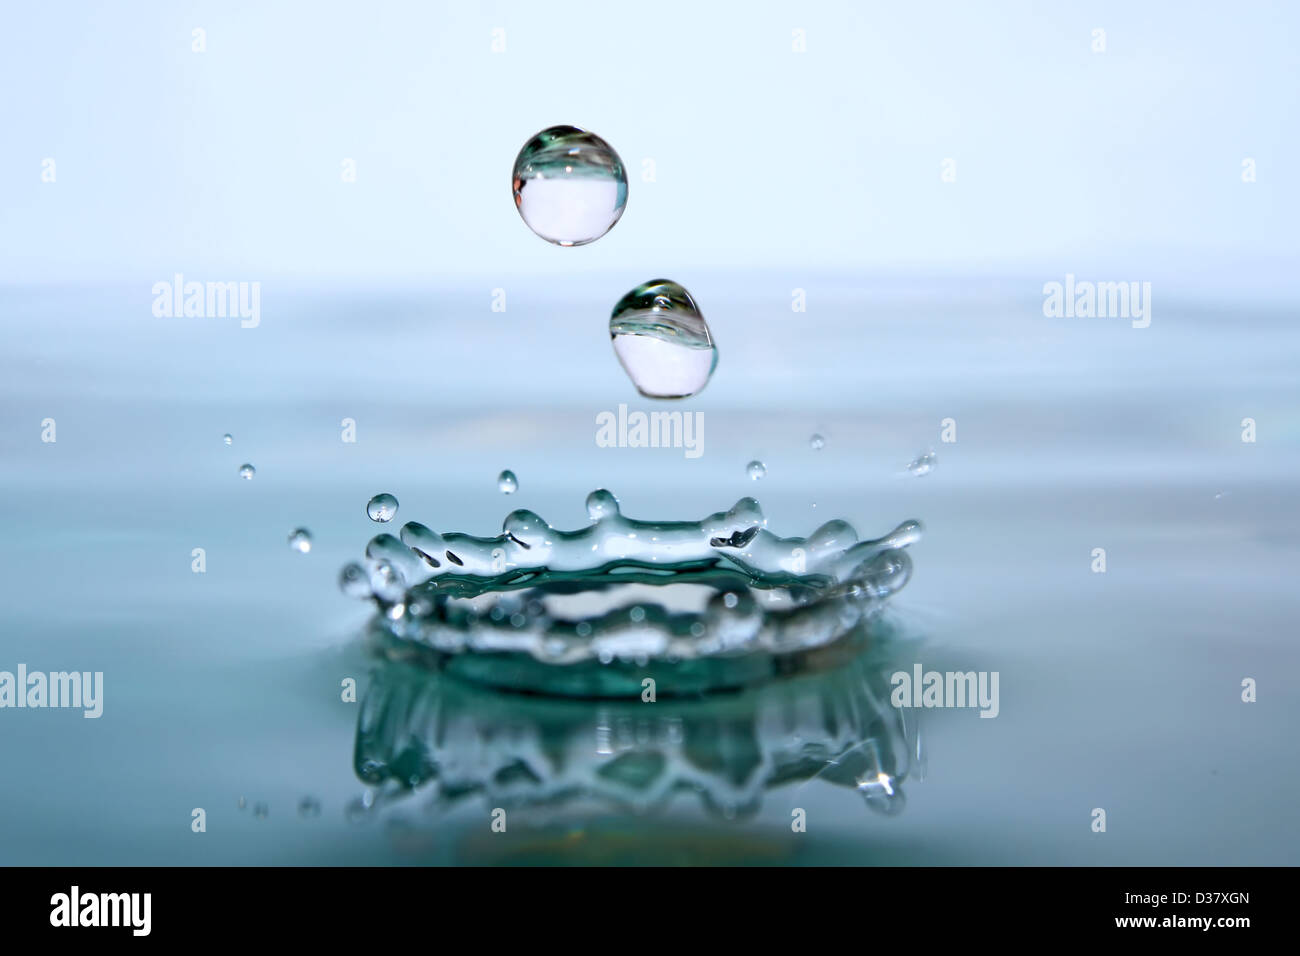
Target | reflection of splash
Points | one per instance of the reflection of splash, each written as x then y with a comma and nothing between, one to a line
694,606
423,731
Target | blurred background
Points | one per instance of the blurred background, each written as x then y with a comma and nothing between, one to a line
917,173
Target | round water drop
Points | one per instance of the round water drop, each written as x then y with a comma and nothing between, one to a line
756,470
300,540
247,472
308,807
228,439
354,581
923,465
382,508
817,443
570,186
507,482
601,504
525,527
662,340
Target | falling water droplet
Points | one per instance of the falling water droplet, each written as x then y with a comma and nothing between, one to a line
228,439
756,470
247,472
570,186
662,340
260,810
300,540
309,807
382,508
923,465
817,443
507,482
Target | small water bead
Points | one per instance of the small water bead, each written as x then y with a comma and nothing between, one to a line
507,482
247,472
354,581
228,439
756,470
308,807
923,465
387,583
570,186
382,508
817,443
525,527
300,540
662,340
601,504
260,810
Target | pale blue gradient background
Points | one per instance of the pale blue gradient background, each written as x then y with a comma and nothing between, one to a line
227,162
775,171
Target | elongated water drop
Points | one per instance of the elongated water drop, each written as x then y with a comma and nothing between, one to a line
300,540
382,508
922,465
247,472
756,470
570,186
662,340
507,482
228,439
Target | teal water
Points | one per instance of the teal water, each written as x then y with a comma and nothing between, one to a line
1119,690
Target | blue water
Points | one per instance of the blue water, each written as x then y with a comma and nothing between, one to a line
1118,690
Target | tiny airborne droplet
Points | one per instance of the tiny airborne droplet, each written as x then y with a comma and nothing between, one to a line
382,508
756,470
507,482
309,807
300,540
817,443
247,472
228,439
